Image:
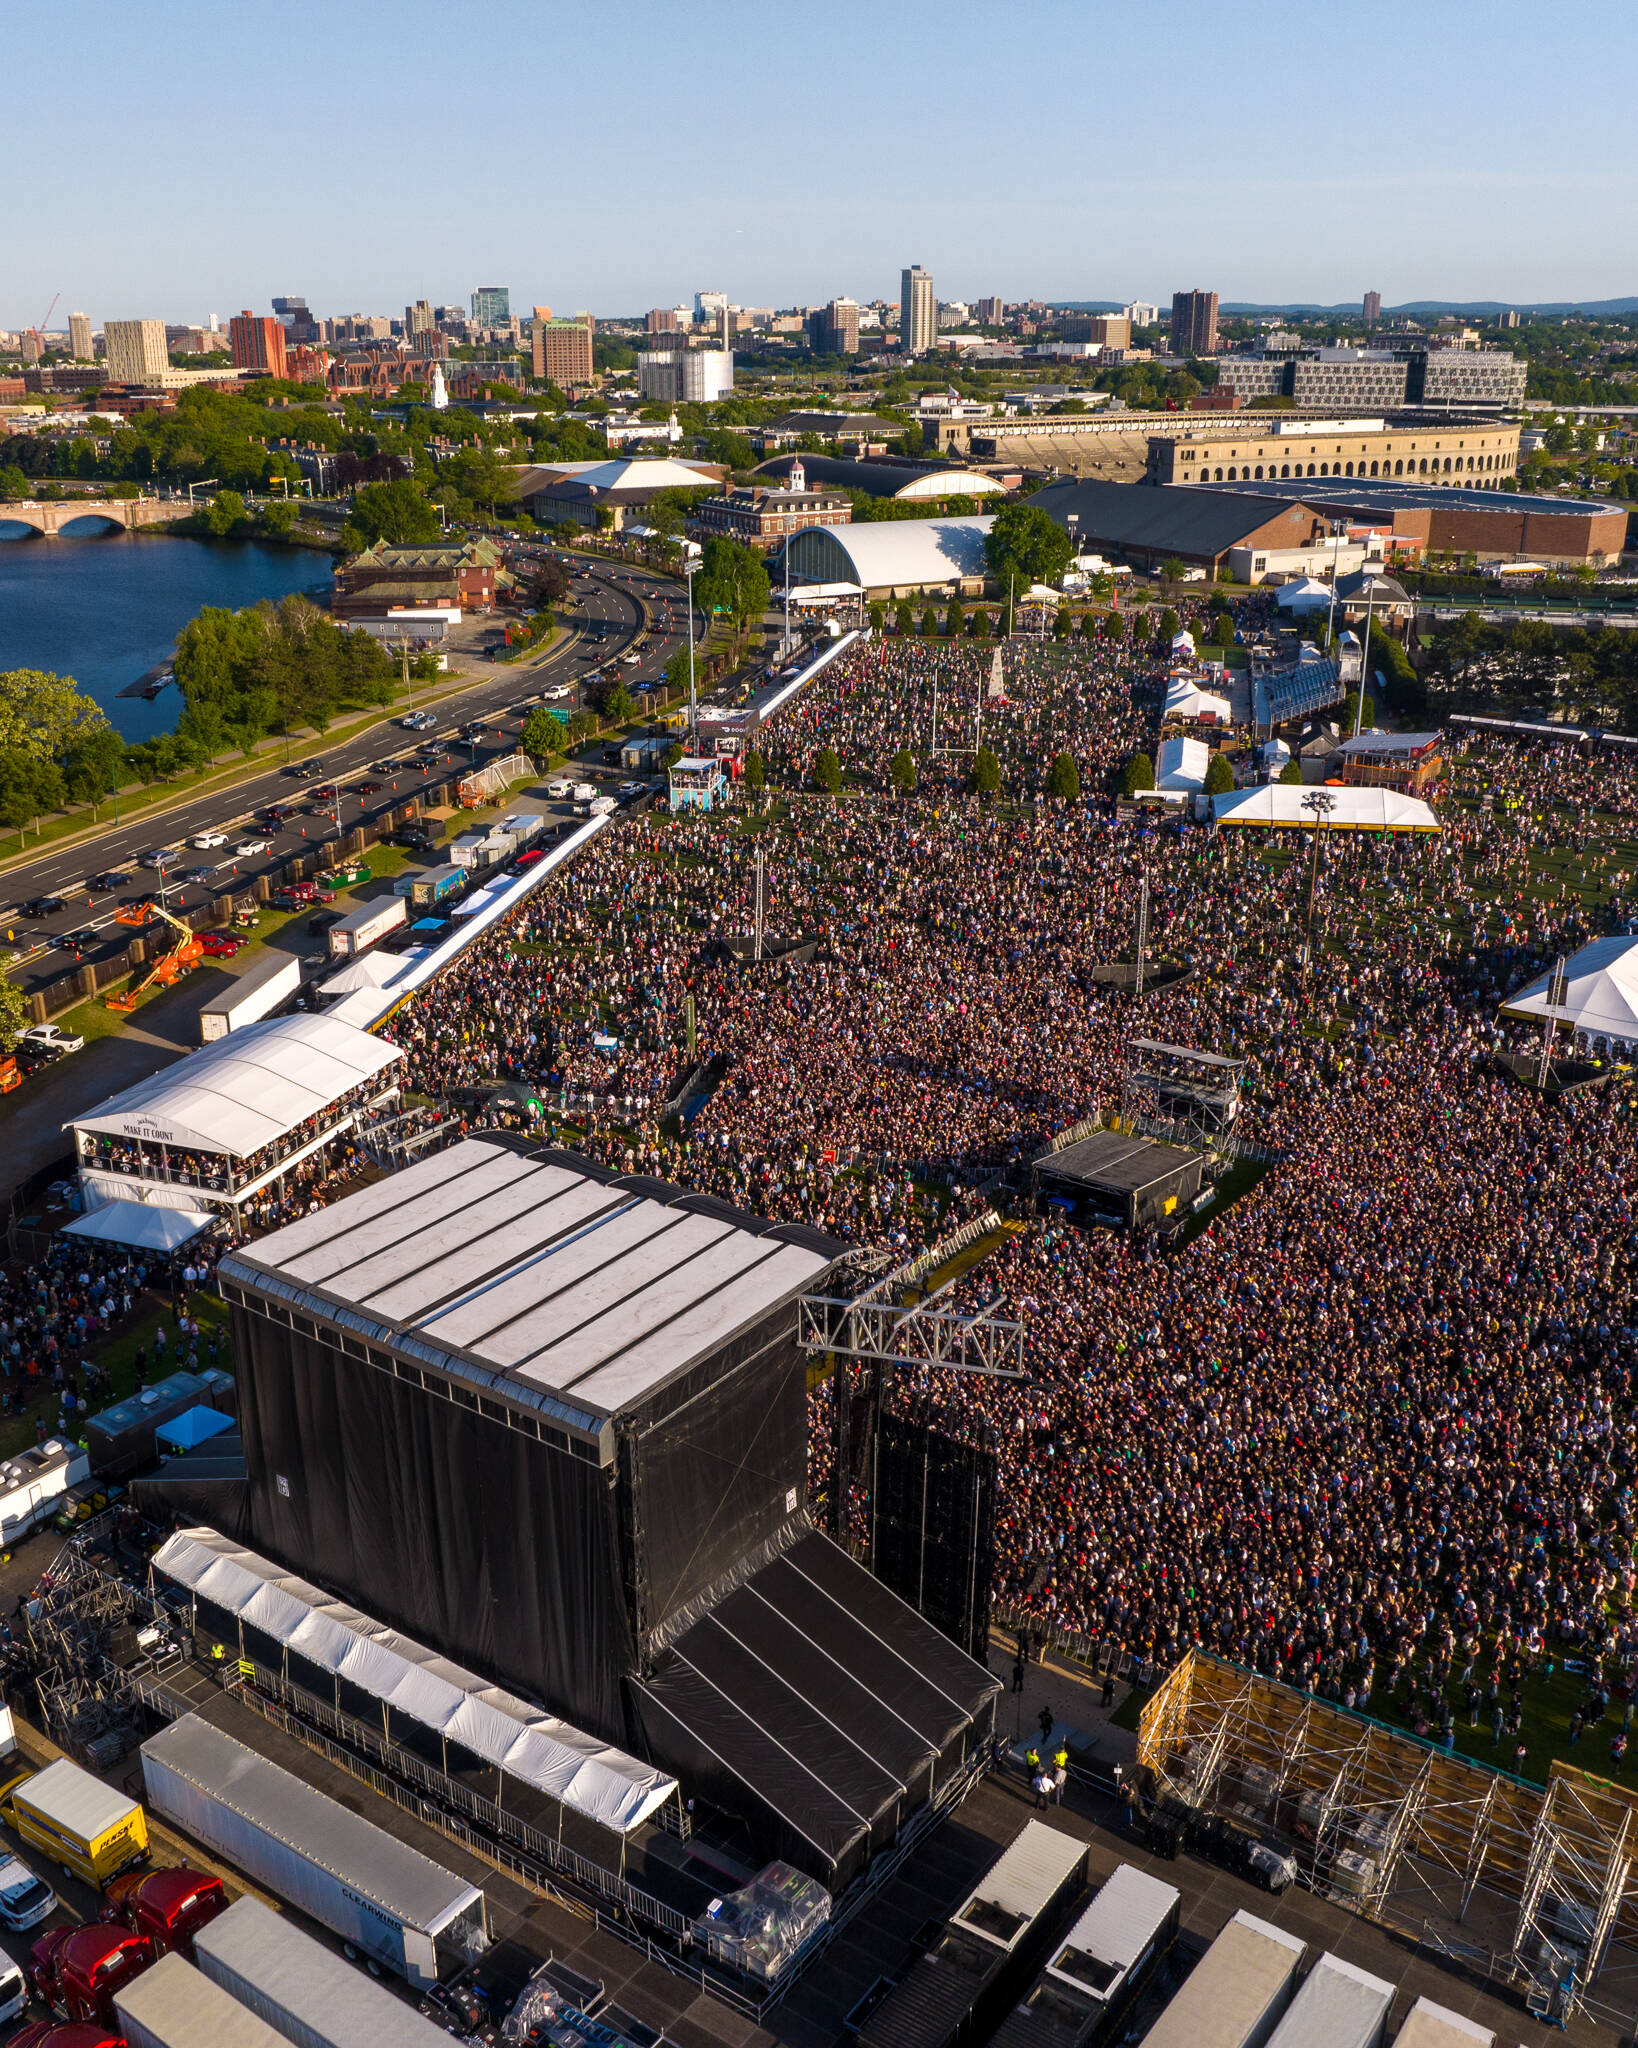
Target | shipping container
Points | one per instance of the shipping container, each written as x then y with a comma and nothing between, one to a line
174,2006
957,1991
1435,2026
428,886
523,825
1339,2006
363,926
79,1823
1097,1968
1238,1991
120,1439
351,1876
304,1991
256,993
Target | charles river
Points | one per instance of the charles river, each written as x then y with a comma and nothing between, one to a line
107,609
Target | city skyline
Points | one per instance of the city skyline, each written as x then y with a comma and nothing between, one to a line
997,182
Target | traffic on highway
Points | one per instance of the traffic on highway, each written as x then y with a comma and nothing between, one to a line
81,903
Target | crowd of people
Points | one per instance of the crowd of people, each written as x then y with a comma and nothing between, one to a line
1374,1424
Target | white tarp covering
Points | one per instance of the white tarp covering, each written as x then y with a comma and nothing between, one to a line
1600,992
369,970
247,1090
135,1223
1303,594
1181,764
536,1748
1353,810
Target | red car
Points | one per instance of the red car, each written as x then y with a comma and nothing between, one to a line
365,788
221,945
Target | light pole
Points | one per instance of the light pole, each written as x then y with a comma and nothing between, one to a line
1319,804
689,571
1338,528
1364,659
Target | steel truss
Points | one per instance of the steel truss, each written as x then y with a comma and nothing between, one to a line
919,1334
1530,1885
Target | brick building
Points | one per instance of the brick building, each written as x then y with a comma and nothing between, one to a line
762,518
563,351
464,573
257,341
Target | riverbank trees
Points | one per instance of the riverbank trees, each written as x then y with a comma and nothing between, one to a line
272,667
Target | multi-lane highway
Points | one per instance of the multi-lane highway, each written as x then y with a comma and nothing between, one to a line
619,611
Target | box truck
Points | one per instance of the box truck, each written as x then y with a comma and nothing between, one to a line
340,1869
363,926
302,1989
256,993
78,1822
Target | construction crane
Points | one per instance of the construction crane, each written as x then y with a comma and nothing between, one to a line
39,332
167,971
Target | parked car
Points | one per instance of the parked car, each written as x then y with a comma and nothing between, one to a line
44,906
204,842
52,1036
275,814
25,1900
221,945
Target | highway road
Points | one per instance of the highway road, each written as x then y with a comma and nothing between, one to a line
479,724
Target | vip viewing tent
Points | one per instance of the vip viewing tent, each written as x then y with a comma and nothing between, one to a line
1186,699
536,1766
1279,805
1600,993
228,1121
142,1226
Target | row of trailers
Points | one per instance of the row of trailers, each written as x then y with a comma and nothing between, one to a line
1028,1961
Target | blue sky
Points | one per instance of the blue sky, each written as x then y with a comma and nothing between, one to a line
177,160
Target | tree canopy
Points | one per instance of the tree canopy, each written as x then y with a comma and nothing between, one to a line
1024,546
732,580
1064,778
43,715
398,513
1219,776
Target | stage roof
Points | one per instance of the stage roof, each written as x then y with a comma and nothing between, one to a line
537,1274
817,1696
246,1090
1600,991
1279,804
524,1741
1112,1159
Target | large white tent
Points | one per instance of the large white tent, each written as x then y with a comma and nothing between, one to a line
1186,699
522,1741
1278,804
246,1090
1303,594
1181,764
1600,992
141,1224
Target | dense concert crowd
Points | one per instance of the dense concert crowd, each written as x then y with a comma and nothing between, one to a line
1378,1410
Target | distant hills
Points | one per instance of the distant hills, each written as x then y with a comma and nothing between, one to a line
1465,309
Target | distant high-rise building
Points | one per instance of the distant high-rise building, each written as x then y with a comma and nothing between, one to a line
662,320
491,305
136,351
692,376
1194,323
1508,319
988,312
562,350
32,350
301,330
79,337
1373,309
418,318
1141,314
839,328
258,343
541,312
918,311
710,306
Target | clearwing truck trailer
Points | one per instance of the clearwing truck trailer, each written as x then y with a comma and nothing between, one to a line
1339,2006
388,1899
304,1991
1236,1995
255,994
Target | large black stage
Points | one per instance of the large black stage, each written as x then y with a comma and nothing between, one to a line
1117,1178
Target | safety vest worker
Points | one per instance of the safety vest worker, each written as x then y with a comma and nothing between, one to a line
1032,1757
